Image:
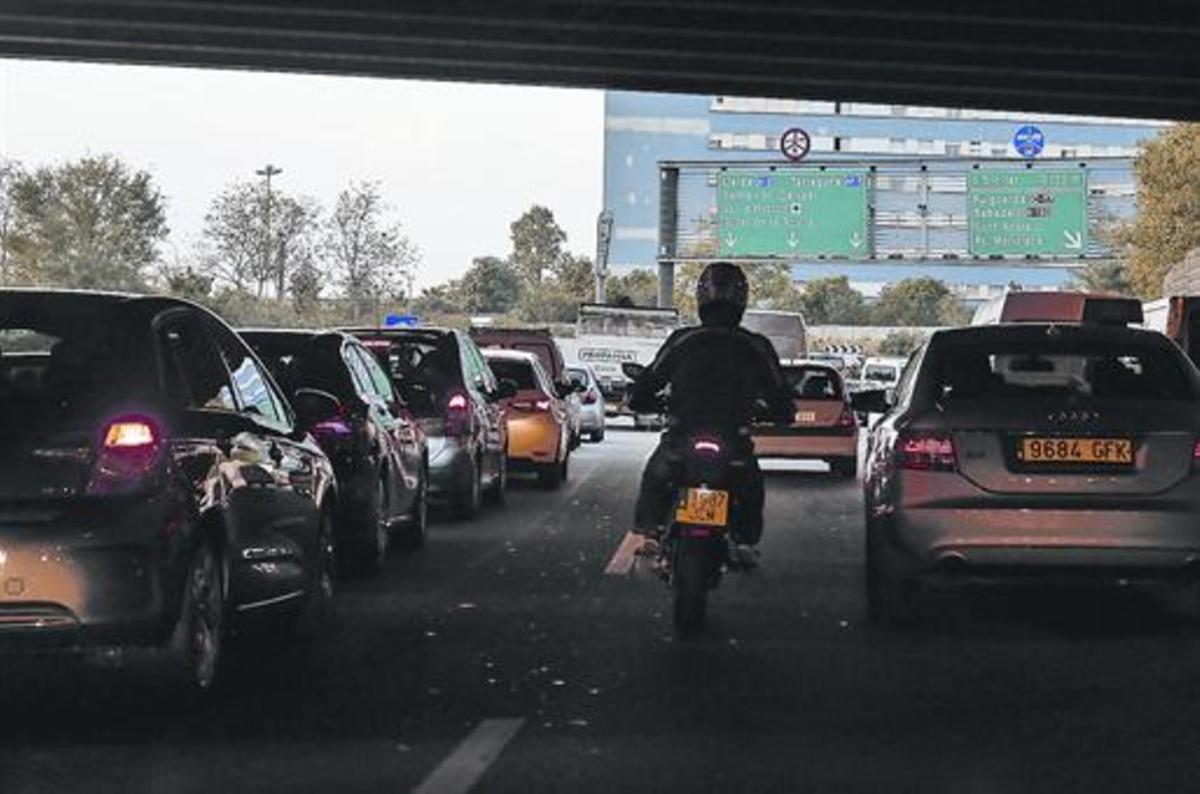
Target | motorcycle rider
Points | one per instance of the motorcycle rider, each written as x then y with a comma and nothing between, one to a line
716,372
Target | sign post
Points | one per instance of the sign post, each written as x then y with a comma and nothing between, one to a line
1027,213
793,213
604,225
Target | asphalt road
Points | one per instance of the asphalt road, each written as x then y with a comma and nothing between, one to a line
503,655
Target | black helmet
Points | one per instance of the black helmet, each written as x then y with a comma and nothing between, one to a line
722,294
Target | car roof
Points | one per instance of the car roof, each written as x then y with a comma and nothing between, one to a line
399,333
41,303
1032,332
509,354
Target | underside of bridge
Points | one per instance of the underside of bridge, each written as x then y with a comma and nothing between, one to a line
1106,57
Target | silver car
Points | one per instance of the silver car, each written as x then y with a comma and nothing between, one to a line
1037,449
591,401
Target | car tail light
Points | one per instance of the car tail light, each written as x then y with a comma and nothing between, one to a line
846,419
458,414
926,452
337,427
591,397
129,449
1196,455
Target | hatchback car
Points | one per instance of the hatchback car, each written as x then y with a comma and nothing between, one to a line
591,401
153,482
377,448
1034,449
823,427
539,433
456,399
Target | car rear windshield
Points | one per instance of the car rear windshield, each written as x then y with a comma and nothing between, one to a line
519,372
881,373
431,361
61,370
813,383
1104,369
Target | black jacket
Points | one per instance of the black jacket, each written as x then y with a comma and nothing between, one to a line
716,375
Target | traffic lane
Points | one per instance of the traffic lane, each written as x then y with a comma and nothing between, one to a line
513,617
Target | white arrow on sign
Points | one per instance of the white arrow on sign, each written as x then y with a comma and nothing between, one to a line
730,240
793,240
1072,240
855,240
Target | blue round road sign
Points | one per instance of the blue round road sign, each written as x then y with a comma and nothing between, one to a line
1029,141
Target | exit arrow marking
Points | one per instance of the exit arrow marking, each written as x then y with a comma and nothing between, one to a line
1072,240
793,240
855,240
730,240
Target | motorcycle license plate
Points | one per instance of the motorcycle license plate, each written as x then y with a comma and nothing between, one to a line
704,506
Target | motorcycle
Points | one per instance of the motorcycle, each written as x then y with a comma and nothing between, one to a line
696,549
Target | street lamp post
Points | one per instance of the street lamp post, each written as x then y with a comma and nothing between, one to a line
267,172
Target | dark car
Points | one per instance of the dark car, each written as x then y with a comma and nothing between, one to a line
153,482
376,445
1048,450
456,400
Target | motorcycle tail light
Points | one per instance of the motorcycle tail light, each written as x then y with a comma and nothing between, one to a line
711,447
926,452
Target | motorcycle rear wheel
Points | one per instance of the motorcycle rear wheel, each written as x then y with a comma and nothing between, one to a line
689,580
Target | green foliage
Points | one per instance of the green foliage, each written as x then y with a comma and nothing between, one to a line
639,287
832,301
188,283
1167,224
490,286
10,172
1105,275
537,244
918,301
92,223
771,287
900,343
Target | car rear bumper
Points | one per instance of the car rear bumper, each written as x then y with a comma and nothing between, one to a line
982,534
451,467
533,439
810,444
68,583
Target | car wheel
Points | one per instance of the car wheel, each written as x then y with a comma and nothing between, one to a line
316,616
551,475
373,545
892,599
846,468
471,500
499,490
197,642
417,530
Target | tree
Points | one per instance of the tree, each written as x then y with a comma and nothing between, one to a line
92,223
832,301
188,283
373,260
537,244
900,343
490,286
10,171
640,287
235,248
1104,275
305,287
771,287
575,276
1167,224
918,301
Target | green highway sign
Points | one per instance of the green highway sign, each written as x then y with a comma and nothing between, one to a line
802,212
1033,212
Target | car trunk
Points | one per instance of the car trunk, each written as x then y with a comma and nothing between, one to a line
818,413
44,453
999,445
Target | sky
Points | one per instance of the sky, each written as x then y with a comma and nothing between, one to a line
458,162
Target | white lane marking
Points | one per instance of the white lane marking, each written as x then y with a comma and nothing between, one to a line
626,555
463,768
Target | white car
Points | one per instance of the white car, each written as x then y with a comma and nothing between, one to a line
591,401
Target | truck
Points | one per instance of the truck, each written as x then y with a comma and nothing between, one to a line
608,336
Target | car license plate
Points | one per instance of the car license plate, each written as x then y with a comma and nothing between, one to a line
704,506
1118,451
806,417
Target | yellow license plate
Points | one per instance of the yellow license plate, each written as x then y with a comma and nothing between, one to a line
1076,450
806,417
704,506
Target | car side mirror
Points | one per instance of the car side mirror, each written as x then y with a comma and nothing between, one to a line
871,401
314,405
506,389
564,390
632,370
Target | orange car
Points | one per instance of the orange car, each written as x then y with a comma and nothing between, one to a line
823,427
538,419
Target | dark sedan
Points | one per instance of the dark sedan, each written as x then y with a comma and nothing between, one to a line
153,482
377,447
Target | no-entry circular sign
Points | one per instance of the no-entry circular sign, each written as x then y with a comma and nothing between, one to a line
794,143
